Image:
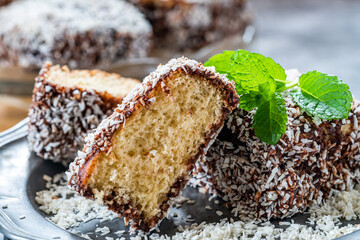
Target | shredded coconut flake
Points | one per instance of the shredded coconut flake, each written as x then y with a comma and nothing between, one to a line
66,208
323,223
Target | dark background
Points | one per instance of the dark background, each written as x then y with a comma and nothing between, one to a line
321,35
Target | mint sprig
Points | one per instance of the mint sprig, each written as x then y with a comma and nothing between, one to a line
259,82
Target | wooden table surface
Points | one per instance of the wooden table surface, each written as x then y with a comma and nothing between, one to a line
12,110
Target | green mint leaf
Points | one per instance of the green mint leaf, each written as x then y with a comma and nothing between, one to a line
249,101
259,80
221,62
251,74
275,70
323,96
270,119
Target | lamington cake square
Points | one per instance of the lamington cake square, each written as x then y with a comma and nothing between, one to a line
67,104
143,154
259,180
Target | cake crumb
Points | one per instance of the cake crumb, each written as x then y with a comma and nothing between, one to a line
102,230
202,190
180,228
219,213
212,197
47,178
84,235
119,233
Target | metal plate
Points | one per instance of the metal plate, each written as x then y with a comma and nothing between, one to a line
21,176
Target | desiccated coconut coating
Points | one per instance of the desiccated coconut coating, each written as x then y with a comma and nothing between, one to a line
90,174
61,115
189,24
265,181
81,33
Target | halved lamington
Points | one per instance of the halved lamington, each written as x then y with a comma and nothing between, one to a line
144,153
66,105
264,181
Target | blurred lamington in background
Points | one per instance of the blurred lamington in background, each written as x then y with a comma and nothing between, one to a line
104,34
81,33
190,24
